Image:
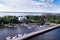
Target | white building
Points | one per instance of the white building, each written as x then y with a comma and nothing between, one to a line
22,18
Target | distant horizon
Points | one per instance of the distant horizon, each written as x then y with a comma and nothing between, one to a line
18,13
24,13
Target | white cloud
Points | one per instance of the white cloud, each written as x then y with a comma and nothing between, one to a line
5,8
47,5
43,3
18,5
28,5
50,0
47,0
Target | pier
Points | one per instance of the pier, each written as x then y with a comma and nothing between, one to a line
34,33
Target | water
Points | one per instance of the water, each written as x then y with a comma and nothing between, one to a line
6,32
52,35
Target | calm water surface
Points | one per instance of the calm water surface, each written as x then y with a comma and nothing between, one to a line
6,32
52,35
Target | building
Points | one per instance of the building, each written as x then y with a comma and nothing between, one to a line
22,18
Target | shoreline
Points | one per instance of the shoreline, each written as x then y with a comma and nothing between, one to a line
24,24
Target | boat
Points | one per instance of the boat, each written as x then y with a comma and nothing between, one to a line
19,35
8,38
25,34
11,26
14,37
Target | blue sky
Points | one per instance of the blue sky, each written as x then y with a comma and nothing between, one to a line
56,2
30,5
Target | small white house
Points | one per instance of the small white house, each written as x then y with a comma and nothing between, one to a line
22,18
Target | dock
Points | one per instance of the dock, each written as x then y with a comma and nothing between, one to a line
35,33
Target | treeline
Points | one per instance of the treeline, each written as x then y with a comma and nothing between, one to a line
8,20
54,19
41,19
14,19
36,19
30,19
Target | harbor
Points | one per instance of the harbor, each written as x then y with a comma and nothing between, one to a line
15,31
27,27
34,33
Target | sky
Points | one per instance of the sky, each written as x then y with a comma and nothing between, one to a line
30,5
